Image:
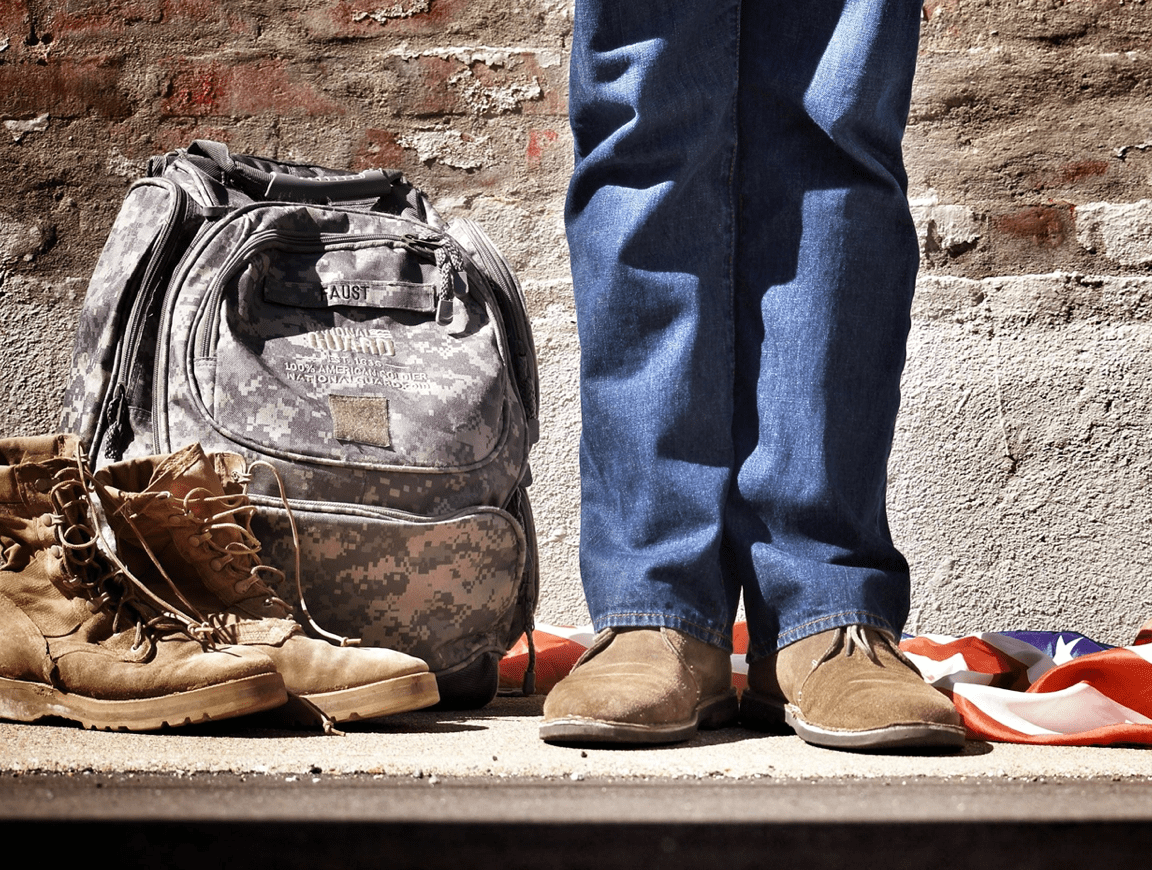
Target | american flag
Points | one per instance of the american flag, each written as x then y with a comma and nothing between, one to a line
1041,687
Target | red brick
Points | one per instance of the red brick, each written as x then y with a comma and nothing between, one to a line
64,89
553,82
14,18
379,148
166,17
1070,173
932,6
436,93
1044,225
538,140
241,90
338,20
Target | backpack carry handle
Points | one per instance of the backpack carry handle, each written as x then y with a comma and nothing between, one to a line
273,185
370,184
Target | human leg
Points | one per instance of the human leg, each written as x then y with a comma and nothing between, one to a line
650,223
820,318
827,262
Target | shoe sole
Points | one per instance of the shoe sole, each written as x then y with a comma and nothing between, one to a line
712,714
396,695
763,714
920,735
28,702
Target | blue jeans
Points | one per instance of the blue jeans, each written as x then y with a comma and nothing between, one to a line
744,262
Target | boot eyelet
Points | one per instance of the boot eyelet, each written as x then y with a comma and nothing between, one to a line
56,551
216,565
42,484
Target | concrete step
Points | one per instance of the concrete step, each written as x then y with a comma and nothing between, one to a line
199,820
478,789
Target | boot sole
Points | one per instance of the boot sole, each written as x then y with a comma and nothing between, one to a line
27,702
775,717
714,713
397,695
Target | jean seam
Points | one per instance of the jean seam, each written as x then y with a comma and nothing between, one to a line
860,617
723,639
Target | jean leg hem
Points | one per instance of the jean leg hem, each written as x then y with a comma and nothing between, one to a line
824,623
722,640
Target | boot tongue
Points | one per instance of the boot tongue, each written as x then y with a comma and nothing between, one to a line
184,471
189,470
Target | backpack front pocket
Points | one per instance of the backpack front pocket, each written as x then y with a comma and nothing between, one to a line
442,589
366,349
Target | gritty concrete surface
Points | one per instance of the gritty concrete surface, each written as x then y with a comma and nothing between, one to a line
1018,485
96,796
479,790
500,742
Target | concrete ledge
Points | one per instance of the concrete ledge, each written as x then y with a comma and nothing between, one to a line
363,821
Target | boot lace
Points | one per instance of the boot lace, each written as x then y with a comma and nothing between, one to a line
95,572
244,479
853,637
223,525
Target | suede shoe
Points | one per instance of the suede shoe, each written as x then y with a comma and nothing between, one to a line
641,685
849,688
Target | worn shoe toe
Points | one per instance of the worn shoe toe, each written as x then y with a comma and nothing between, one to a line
641,685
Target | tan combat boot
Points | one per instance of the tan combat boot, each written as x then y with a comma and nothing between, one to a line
182,523
77,639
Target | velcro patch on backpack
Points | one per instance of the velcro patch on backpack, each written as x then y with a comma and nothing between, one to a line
363,419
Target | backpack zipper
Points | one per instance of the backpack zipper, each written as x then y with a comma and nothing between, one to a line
515,310
160,260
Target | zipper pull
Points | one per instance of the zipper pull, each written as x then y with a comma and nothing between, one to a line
443,305
116,416
444,291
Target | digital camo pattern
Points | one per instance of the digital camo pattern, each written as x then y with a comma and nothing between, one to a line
524,621
148,212
491,266
445,590
420,492
443,383
321,308
252,375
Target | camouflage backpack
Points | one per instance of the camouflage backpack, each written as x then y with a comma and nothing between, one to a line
331,324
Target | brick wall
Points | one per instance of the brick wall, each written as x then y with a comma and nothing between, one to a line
1019,474
1019,480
